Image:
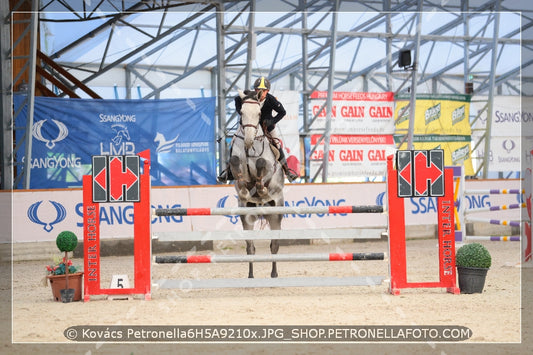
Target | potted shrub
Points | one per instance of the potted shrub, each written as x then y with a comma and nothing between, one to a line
473,261
64,277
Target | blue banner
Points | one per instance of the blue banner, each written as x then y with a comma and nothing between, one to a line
180,134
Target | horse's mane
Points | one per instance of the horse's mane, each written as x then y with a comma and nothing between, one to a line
250,94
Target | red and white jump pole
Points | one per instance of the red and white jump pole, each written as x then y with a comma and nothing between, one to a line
267,210
217,259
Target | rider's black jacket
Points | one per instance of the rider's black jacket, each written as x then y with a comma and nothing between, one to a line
270,104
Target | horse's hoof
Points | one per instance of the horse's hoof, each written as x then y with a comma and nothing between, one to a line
250,276
274,275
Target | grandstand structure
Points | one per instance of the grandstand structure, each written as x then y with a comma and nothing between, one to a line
138,49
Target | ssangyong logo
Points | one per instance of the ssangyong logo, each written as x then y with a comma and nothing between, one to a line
509,145
37,132
222,203
60,214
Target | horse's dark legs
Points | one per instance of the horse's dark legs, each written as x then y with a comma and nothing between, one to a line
274,247
275,224
260,165
250,250
235,165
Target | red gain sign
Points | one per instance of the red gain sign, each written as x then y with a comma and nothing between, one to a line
352,155
355,111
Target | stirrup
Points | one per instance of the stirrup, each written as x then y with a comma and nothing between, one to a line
223,177
292,175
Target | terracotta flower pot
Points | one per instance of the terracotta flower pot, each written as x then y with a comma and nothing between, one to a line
58,283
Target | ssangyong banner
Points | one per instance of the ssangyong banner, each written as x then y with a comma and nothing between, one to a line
352,156
511,125
40,215
68,132
355,112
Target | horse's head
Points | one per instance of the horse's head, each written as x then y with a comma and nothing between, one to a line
250,114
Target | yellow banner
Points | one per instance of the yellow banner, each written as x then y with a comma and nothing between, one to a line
455,153
441,122
439,114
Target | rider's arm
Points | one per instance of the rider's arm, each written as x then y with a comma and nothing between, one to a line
278,108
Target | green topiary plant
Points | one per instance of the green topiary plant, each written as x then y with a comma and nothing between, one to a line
66,241
473,255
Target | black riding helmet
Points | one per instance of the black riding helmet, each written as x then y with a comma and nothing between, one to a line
262,83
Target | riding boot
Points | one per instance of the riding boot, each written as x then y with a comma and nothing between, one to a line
225,176
291,174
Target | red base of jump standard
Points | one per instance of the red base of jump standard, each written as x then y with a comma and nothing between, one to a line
397,247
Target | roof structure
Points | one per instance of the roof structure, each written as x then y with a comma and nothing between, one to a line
169,49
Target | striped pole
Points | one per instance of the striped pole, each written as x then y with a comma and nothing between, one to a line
494,192
494,238
495,221
497,208
213,259
239,211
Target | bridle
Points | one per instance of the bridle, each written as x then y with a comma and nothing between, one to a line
256,127
251,125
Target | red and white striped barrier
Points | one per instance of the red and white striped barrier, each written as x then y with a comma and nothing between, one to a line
267,210
215,259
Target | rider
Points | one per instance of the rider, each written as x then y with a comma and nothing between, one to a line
262,87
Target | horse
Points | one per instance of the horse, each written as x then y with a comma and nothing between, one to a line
259,177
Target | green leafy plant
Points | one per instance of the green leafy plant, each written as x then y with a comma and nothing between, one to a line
66,242
60,267
473,255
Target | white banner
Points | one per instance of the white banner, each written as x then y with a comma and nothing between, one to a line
512,119
42,215
288,128
353,156
355,112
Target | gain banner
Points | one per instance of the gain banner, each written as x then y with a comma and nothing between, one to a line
68,132
355,112
353,155
441,122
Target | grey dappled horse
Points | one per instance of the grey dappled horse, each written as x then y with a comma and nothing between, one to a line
258,175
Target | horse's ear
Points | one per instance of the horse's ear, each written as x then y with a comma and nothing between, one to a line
242,94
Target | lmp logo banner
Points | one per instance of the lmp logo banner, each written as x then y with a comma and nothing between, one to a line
116,178
420,173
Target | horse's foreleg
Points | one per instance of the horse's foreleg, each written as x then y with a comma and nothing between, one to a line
275,224
274,247
261,170
250,250
235,165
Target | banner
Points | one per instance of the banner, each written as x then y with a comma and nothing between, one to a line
441,122
67,132
288,128
355,112
353,155
41,215
511,122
